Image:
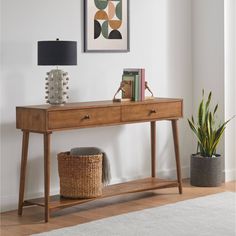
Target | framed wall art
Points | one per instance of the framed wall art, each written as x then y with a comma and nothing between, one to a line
106,25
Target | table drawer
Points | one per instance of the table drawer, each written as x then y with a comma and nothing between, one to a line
84,117
151,111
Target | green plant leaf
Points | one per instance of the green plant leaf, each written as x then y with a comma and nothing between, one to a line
218,136
201,113
192,126
208,100
193,120
216,107
194,130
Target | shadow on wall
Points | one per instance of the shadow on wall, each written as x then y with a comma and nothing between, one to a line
13,93
178,48
35,174
179,79
16,59
16,54
10,156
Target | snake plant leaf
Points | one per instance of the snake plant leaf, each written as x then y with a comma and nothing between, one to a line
211,132
192,126
211,121
208,123
217,139
193,120
216,107
194,130
201,113
208,100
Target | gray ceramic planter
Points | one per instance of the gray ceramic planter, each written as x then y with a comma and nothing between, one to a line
205,171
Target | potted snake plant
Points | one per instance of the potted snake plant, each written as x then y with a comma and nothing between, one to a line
206,163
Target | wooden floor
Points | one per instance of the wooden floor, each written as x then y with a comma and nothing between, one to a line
32,220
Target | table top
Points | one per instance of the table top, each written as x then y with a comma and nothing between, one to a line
106,103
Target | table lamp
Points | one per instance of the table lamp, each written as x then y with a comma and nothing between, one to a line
57,53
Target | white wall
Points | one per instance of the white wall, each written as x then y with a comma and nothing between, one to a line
214,66
230,88
160,42
208,53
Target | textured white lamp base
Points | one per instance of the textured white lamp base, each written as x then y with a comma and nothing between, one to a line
57,87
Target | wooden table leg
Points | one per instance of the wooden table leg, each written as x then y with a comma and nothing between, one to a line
177,158
24,155
47,137
153,148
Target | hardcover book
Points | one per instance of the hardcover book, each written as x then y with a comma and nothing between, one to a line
139,82
128,86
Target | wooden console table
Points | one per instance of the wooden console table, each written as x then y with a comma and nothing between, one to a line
45,119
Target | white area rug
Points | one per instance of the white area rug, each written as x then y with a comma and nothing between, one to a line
213,215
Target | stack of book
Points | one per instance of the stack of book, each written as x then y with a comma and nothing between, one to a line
133,84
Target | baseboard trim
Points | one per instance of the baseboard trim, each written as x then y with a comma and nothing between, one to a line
10,202
163,174
230,175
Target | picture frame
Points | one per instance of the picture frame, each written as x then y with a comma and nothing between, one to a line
106,26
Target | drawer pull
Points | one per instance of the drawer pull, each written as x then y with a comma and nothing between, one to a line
86,117
153,111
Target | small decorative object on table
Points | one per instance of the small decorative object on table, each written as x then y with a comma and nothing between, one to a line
57,53
133,86
149,90
126,93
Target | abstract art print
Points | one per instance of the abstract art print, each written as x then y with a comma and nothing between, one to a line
106,25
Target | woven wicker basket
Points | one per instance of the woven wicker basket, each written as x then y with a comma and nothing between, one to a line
80,176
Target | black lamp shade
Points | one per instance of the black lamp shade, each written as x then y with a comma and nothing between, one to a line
57,53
